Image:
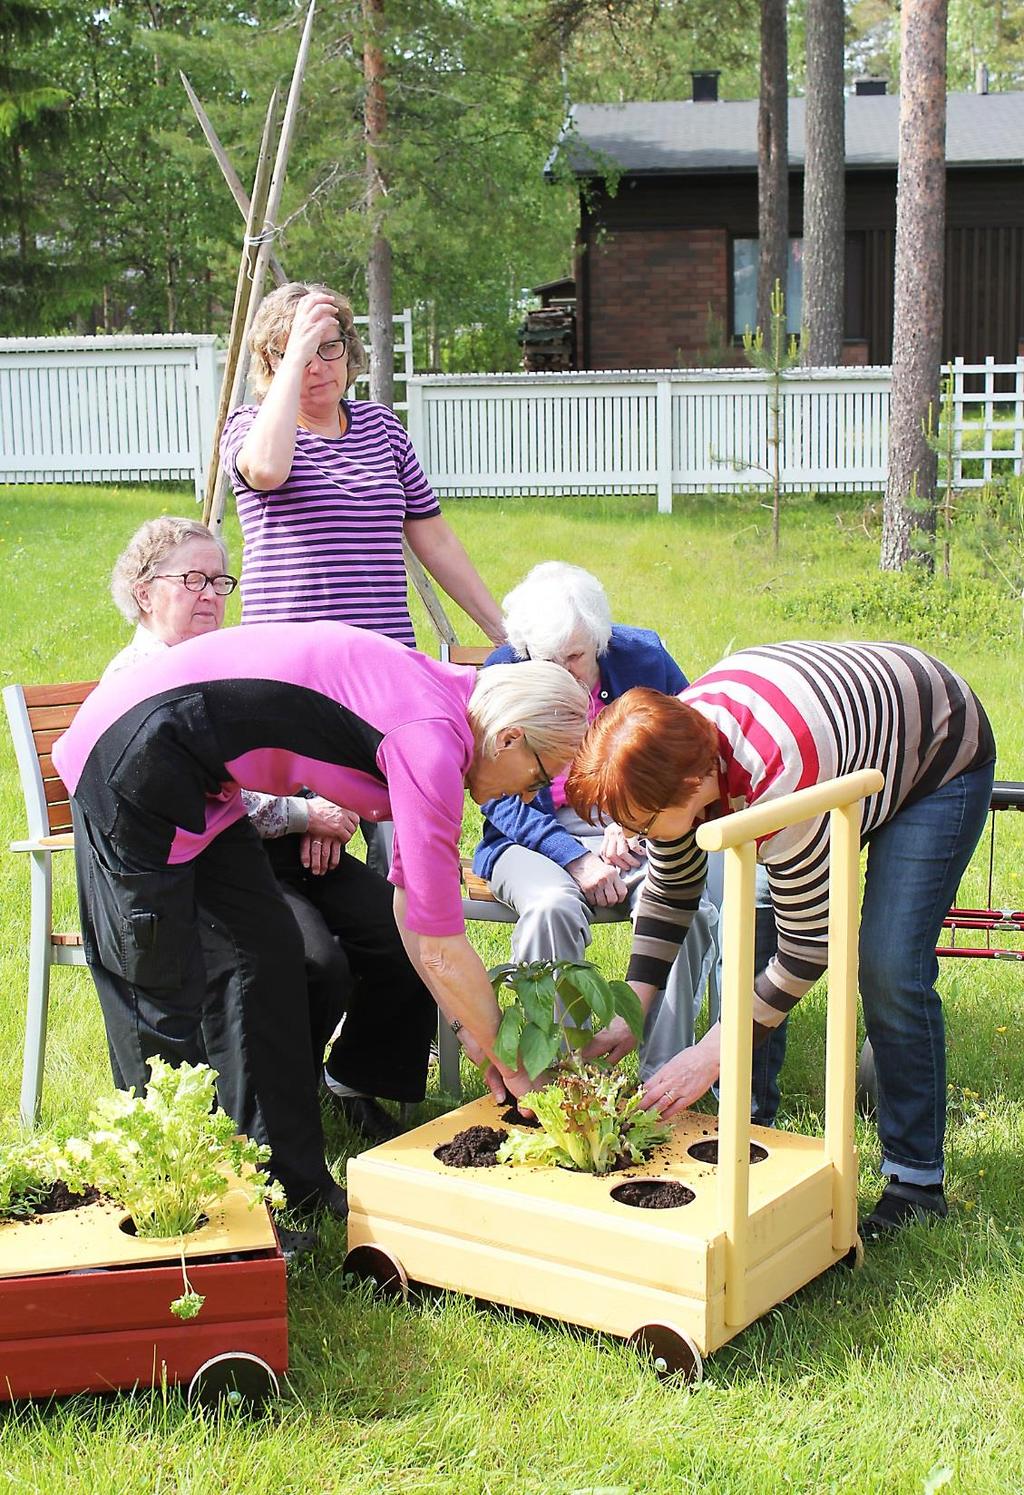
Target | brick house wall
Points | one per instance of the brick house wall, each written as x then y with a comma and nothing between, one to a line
650,295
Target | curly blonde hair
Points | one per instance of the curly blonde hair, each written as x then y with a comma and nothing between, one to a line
273,323
146,551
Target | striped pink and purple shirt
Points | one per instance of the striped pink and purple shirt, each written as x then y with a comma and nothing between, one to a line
327,544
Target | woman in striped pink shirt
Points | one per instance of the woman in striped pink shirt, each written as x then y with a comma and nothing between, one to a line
765,723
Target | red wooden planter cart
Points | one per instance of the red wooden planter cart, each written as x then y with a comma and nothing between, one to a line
85,1305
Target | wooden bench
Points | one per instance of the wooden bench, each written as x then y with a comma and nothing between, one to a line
38,714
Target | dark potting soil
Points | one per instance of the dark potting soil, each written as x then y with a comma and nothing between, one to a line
515,1117
707,1152
60,1198
650,1193
476,1147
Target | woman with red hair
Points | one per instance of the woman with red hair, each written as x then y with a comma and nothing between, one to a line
763,724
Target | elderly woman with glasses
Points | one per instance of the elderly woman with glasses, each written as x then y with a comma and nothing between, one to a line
171,579
327,487
155,762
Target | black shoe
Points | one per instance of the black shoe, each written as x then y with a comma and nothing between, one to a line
333,1201
364,1114
904,1204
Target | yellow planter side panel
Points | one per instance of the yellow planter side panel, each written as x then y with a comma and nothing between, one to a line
554,1289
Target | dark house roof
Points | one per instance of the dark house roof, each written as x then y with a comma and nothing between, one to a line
721,136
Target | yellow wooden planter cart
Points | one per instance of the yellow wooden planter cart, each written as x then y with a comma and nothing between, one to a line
677,1282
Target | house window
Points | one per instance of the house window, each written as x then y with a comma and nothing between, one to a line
744,285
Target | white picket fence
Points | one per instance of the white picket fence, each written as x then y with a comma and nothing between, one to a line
106,409
685,431
121,409
133,409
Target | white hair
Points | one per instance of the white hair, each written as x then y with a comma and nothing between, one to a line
146,552
540,698
549,604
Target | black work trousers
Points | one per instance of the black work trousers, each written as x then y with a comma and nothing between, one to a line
389,1015
143,933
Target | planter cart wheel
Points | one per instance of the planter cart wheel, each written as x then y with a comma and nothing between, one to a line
672,1352
236,1379
375,1264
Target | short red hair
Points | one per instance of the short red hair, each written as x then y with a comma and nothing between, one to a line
644,752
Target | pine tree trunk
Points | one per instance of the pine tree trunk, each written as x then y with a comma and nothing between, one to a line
772,158
920,266
824,187
378,267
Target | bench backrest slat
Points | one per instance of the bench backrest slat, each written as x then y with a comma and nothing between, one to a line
38,714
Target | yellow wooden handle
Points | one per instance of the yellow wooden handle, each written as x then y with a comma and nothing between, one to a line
805,804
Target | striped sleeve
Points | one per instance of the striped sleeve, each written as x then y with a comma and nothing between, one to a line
676,874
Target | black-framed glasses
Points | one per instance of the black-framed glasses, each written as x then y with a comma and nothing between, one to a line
198,581
545,780
329,352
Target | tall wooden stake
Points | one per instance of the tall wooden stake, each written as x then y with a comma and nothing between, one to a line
228,172
244,290
273,206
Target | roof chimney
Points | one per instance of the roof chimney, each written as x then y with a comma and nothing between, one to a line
868,86
705,87
981,78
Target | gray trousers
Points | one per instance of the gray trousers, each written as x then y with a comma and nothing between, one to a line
555,924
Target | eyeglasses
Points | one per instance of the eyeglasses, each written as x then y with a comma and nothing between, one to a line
329,352
198,581
642,832
545,780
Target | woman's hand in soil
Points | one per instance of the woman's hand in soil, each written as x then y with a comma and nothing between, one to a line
685,1078
612,1043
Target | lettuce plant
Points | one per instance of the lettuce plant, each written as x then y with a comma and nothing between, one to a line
591,1120
28,1170
555,1005
165,1156
590,1117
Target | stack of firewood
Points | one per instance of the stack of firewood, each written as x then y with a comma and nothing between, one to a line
548,339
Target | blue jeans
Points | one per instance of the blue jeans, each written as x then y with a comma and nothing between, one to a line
915,863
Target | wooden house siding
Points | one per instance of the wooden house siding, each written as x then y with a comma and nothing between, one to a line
654,264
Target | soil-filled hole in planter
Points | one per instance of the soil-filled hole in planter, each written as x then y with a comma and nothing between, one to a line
707,1152
476,1147
60,1199
653,1193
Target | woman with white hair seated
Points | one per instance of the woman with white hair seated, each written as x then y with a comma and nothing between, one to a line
553,868
155,762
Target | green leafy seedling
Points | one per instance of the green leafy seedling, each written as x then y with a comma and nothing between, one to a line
556,1004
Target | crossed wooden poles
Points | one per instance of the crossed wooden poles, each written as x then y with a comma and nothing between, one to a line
260,213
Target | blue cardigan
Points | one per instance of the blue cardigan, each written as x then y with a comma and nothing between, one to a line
635,656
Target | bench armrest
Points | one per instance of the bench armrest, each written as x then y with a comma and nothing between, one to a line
64,842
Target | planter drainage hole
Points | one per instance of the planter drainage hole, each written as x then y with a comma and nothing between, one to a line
653,1193
128,1227
707,1152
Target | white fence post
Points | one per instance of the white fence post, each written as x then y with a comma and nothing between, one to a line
663,445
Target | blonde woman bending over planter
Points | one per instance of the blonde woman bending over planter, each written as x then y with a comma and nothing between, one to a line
155,762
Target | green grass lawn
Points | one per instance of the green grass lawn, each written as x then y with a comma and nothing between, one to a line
905,1376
